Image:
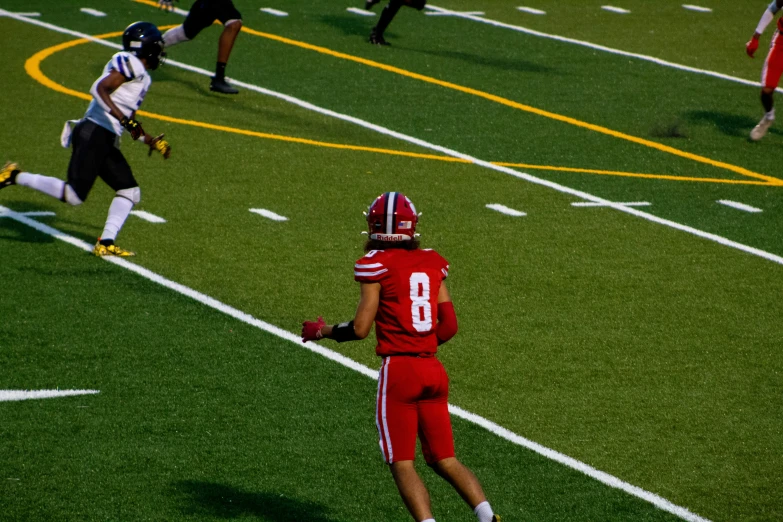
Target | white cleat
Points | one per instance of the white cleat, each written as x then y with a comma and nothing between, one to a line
760,130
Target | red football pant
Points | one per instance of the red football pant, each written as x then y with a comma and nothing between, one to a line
773,65
413,395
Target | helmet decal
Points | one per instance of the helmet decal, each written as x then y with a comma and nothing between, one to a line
392,217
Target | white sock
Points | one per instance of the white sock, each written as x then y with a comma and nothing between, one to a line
429,520
118,212
48,185
174,36
484,512
770,115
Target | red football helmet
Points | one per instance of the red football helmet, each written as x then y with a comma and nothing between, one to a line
392,217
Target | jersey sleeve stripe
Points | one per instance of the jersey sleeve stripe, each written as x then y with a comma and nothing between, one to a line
120,68
445,272
369,274
374,265
130,67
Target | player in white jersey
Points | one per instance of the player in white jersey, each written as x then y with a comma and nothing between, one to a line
95,139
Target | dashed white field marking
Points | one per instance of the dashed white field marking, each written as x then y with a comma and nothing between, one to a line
146,216
268,214
360,12
427,145
609,480
531,10
34,15
34,213
603,48
594,204
698,8
273,12
739,206
455,13
500,431
91,11
23,395
615,9
505,210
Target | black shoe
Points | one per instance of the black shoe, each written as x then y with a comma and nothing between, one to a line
369,4
221,86
377,39
8,174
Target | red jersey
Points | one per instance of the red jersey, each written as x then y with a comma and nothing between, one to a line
408,309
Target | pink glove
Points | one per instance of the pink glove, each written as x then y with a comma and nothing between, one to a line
751,46
311,330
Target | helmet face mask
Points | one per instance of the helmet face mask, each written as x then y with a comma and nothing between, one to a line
392,218
144,41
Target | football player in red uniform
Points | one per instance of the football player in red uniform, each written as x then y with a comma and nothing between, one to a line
403,292
773,67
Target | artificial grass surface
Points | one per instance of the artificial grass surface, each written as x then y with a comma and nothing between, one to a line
641,350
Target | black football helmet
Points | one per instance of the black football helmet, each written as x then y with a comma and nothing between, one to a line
143,39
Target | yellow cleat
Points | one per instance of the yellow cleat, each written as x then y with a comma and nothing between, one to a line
8,174
111,250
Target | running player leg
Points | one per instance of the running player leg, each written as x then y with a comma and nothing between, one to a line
88,153
396,419
231,19
437,444
117,174
387,15
770,78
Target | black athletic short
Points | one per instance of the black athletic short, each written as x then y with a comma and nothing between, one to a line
96,155
204,12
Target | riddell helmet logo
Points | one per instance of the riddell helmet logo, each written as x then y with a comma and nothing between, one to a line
391,237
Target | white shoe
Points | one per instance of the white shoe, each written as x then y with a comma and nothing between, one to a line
761,129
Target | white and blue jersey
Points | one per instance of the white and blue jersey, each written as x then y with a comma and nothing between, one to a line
127,97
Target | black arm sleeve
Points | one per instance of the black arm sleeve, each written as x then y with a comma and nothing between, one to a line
344,332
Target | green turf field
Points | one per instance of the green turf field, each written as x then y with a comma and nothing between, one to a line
643,341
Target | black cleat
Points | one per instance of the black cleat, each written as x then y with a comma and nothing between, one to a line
377,39
369,4
222,86
8,174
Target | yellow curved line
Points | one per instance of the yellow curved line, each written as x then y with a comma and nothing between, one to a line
510,103
33,68
634,175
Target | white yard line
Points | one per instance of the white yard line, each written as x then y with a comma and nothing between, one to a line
34,213
360,12
505,210
146,216
92,12
444,150
531,10
739,206
268,214
594,204
492,427
604,48
659,502
615,9
273,12
22,395
697,8
453,13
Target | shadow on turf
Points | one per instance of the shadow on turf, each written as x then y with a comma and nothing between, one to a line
729,124
505,64
24,234
352,25
222,501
